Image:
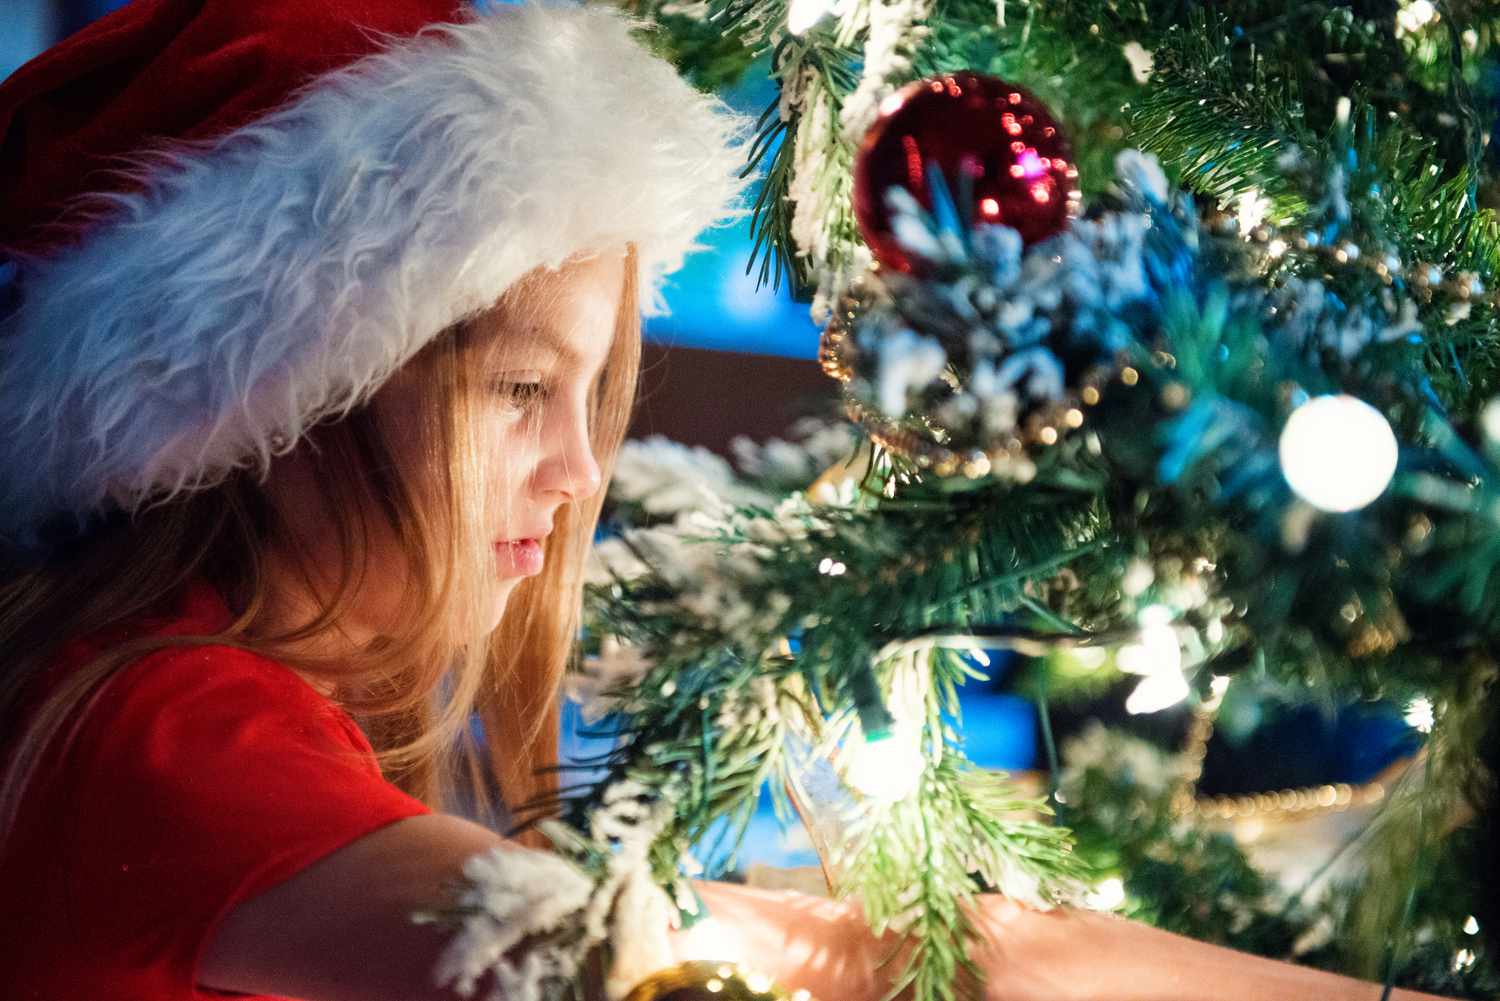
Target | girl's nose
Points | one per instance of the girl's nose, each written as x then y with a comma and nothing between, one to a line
569,466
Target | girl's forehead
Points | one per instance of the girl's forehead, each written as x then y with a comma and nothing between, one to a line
569,312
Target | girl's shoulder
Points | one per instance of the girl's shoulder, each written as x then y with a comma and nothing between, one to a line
190,691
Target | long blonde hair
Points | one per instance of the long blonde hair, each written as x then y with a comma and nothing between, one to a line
418,691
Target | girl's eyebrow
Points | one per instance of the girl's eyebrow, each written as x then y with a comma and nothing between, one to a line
548,338
522,349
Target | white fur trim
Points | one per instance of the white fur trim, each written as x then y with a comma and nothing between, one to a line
284,273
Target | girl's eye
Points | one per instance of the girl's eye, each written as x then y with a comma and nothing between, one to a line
521,395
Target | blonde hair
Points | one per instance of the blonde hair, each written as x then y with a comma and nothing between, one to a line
418,689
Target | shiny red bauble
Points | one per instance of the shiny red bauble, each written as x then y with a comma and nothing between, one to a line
1001,153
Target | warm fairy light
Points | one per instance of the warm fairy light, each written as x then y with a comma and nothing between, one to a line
1106,896
1471,926
1419,714
831,567
886,767
1338,452
758,983
1415,16
1276,247
710,939
1463,959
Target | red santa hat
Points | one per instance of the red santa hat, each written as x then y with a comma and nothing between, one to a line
232,219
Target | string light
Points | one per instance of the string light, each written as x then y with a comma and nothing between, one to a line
1419,714
1471,926
1252,206
1415,16
1107,896
1157,656
885,766
1489,419
1338,452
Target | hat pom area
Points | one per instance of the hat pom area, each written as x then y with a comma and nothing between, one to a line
279,275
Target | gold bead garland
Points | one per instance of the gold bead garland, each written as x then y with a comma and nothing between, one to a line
1426,280
1280,804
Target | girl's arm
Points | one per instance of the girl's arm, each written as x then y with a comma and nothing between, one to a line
1030,955
340,930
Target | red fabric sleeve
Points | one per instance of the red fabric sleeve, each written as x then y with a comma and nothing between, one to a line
205,776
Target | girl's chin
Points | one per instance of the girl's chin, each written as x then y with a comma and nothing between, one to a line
503,588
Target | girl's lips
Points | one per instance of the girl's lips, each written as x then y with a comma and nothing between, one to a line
519,557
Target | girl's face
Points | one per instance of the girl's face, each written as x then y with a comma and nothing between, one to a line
532,364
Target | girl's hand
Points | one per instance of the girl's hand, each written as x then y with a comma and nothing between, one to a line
819,945
1074,955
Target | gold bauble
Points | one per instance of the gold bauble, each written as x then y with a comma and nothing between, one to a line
709,981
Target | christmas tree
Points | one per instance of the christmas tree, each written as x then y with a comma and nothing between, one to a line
1168,350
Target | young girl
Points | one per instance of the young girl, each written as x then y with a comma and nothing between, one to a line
322,338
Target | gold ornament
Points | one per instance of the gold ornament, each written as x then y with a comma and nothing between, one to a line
709,981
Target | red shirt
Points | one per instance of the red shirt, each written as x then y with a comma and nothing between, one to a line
199,778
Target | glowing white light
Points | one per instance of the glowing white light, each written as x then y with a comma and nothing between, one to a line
1090,658
1489,419
886,768
1219,684
1158,657
1419,714
1252,209
757,983
1471,926
1142,64
1276,247
803,14
1108,895
1157,692
1156,652
1463,959
1155,615
1415,16
1338,452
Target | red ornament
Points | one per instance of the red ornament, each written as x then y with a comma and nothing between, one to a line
997,146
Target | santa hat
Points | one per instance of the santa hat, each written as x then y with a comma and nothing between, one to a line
232,219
